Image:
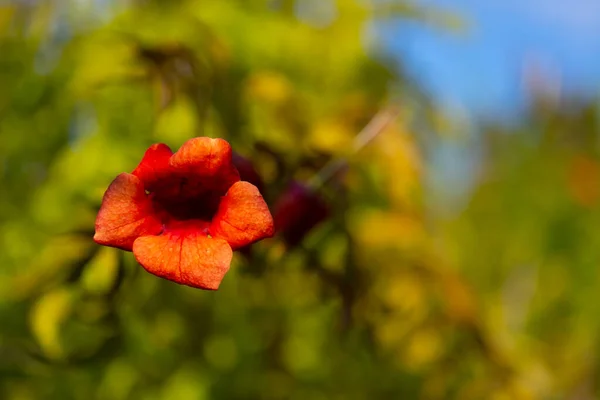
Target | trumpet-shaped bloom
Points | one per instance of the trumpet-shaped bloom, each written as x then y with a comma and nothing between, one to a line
182,214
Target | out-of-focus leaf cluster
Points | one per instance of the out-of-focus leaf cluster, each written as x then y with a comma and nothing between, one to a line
381,299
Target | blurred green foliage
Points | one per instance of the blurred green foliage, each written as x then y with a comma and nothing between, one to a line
385,299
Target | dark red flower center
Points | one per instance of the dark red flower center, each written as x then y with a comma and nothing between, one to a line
185,199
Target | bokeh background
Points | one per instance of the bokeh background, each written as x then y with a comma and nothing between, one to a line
455,256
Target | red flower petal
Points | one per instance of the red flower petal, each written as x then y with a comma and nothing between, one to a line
243,216
126,214
154,165
206,163
185,256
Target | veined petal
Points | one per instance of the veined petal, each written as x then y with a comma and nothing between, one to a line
186,257
154,165
243,216
204,154
206,164
126,213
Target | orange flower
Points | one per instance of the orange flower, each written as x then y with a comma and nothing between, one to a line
182,214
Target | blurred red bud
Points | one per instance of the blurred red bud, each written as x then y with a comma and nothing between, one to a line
247,171
298,210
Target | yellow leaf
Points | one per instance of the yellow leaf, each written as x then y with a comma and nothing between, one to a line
100,273
424,348
269,86
331,136
46,318
177,123
381,229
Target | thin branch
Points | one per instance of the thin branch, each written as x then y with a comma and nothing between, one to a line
375,126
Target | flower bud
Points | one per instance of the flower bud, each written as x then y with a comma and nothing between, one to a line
247,171
298,210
